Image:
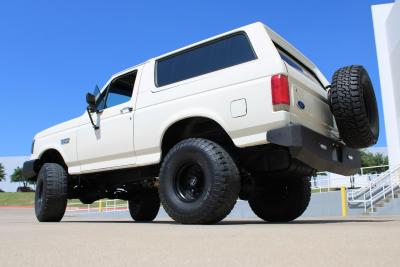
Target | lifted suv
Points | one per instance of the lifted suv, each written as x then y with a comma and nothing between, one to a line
240,115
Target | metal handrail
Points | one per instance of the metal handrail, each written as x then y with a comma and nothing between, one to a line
379,178
372,167
379,188
372,187
322,187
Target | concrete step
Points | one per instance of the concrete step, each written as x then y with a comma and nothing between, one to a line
369,210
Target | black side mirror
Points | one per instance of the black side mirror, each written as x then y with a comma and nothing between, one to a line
91,101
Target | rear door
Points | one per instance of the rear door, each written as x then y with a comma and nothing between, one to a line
309,103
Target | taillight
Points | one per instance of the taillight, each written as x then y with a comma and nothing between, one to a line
280,92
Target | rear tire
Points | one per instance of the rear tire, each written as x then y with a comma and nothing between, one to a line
145,205
280,200
199,182
51,193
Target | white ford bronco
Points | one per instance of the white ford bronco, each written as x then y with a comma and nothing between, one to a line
240,115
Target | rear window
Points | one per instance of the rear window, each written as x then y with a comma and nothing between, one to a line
215,55
295,63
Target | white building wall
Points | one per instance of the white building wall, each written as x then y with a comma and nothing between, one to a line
386,20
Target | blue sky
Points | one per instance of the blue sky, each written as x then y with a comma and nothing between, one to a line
53,52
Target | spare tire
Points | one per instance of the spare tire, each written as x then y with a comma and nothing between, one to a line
353,103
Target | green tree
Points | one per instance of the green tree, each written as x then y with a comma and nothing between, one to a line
17,177
369,159
2,173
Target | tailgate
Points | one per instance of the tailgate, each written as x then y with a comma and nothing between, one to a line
309,102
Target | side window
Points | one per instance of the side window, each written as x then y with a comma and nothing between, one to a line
297,65
118,91
215,55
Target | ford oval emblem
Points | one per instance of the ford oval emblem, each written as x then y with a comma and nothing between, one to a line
301,105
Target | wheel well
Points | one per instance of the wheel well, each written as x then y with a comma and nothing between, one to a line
52,156
195,127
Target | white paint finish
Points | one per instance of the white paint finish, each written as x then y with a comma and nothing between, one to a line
316,115
238,108
296,53
134,139
386,20
111,145
51,139
98,149
88,150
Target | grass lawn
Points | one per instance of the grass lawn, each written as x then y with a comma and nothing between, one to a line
28,199
17,199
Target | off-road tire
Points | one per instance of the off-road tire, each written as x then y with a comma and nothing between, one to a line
353,103
51,193
219,177
145,205
280,200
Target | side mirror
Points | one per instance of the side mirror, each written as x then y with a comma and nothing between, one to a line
91,101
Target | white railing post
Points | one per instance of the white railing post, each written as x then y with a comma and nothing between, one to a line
370,196
365,205
391,185
383,190
329,182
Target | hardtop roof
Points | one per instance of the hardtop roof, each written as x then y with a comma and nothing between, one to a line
276,38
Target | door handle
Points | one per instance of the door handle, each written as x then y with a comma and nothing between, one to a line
126,109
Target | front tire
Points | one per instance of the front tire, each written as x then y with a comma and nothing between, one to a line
280,200
199,182
145,205
51,193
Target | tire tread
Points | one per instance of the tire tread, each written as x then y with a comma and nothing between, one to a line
224,191
347,105
55,193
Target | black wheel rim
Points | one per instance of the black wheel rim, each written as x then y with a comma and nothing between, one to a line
189,182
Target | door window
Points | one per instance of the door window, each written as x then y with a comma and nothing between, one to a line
118,91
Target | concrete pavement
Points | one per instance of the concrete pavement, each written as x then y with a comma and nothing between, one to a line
80,241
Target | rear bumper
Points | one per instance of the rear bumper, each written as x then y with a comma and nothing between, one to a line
316,150
29,169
